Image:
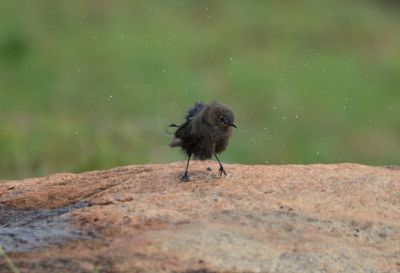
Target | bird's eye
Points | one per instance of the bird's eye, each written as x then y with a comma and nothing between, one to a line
222,119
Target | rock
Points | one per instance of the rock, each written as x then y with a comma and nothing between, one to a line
288,218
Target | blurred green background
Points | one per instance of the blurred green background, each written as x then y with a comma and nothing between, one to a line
92,84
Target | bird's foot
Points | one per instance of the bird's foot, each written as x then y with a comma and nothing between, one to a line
185,178
222,171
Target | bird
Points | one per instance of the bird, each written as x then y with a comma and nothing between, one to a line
205,133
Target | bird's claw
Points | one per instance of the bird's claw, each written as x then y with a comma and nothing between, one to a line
185,178
222,171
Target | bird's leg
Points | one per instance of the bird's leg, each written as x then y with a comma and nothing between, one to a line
221,168
185,177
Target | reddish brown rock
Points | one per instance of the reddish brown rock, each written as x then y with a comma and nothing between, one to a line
289,218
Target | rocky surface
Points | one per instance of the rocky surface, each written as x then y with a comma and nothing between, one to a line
289,218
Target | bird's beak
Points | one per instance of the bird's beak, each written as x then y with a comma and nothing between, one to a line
233,125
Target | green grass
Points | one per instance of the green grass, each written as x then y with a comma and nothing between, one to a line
92,85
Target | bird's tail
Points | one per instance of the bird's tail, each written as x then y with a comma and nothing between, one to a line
166,131
176,141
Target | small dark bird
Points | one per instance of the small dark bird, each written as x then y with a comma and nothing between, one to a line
205,133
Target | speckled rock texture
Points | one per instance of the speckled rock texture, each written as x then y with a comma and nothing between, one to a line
287,218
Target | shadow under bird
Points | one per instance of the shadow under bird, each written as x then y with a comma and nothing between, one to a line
205,133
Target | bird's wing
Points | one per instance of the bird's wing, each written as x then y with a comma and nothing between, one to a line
194,110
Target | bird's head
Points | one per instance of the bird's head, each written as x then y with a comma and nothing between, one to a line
223,117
